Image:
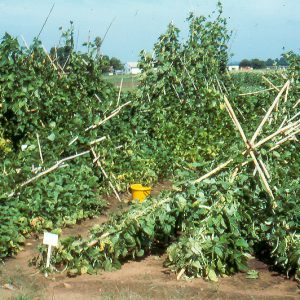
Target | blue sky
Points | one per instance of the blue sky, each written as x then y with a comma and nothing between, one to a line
261,28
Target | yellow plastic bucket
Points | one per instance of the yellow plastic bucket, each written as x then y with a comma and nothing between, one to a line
140,192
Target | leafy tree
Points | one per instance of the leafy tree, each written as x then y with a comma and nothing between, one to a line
257,63
116,64
245,63
282,61
270,62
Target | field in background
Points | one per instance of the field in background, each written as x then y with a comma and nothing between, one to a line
130,82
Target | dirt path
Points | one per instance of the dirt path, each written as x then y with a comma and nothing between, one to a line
145,279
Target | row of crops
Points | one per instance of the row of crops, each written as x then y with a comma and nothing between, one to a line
67,137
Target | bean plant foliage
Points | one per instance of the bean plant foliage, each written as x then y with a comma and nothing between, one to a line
176,126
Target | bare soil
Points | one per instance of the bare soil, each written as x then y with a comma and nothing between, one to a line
144,279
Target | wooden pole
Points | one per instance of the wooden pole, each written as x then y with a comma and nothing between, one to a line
40,149
214,171
96,160
223,165
187,71
52,63
259,128
97,141
120,89
289,137
114,113
270,83
286,94
249,146
279,131
297,103
49,170
256,92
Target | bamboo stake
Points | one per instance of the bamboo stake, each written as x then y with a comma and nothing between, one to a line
114,113
264,168
73,141
43,125
106,234
224,87
268,113
284,120
220,88
40,149
54,167
51,169
270,83
223,165
285,97
52,63
180,274
279,131
97,141
292,129
241,114
234,174
181,85
296,104
96,159
254,172
187,71
121,84
24,41
256,92
94,242
294,117
45,22
56,56
63,67
235,120
286,94
215,170
249,146
176,93
90,143
262,175
98,98
289,137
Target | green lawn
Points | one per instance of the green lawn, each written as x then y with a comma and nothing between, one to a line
130,82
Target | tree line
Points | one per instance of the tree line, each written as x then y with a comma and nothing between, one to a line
256,63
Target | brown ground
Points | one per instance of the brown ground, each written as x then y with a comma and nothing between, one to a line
145,279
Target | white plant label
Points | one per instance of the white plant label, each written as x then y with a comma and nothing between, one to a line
51,240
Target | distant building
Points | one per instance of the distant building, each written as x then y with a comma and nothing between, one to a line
233,68
119,72
132,68
247,68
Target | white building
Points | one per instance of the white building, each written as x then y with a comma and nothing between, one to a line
132,68
233,68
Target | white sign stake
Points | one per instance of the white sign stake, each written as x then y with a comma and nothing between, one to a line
51,240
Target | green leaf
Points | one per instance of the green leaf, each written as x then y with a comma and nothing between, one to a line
252,274
212,275
242,243
218,251
51,137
